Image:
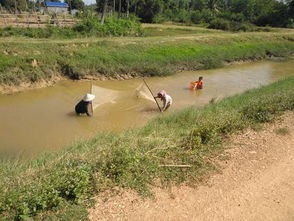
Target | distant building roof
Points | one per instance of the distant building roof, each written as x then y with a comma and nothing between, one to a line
56,4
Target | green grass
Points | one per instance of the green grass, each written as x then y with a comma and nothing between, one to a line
175,31
61,184
142,56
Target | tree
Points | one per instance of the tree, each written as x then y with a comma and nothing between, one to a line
22,5
75,4
291,9
197,5
213,5
128,7
148,9
105,2
13,5
119,8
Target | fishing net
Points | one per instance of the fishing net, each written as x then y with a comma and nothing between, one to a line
143,92
102,96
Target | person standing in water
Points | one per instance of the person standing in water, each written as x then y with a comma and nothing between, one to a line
197,84
85,105
166,99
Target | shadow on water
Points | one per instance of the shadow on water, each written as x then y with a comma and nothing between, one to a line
73,114
150,110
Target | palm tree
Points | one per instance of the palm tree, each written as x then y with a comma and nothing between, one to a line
119,8
104,11
213,5
128,8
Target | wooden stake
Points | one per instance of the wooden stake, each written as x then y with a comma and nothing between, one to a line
91,91
179,166
152,94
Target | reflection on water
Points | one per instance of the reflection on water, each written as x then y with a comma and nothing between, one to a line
44,119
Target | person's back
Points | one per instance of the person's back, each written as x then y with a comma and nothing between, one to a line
82,108
167,100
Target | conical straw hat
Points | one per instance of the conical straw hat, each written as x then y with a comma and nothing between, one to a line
89,97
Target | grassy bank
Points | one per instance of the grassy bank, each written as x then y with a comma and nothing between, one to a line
59,185
25,60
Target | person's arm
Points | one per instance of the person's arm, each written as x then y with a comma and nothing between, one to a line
195,85
89,110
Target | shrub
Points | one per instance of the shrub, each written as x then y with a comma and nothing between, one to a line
182,16
207,15
265,108
112,26
258,113
202,134
70,180
220,23
236,17
161,18
196,17
228,25
88,26
291,24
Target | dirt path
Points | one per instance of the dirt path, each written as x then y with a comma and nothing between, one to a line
257,183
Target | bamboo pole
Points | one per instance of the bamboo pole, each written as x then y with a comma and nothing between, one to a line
152,94
91,91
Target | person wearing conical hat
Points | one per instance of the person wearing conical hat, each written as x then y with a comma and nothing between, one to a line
166,99
85,105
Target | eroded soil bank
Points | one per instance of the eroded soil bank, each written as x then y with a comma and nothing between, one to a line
256,182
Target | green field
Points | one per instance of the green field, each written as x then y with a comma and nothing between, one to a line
164,50
60,185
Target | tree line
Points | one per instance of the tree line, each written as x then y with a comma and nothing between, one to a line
277,13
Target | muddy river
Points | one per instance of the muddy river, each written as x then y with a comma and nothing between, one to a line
44,119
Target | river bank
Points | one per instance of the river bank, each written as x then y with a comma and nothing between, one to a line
61,184
256,182
39,63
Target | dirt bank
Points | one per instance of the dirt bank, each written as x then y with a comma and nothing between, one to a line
10,89
24,86
256,183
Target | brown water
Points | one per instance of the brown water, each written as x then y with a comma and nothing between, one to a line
43,119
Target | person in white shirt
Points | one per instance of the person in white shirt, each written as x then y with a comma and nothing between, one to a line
166,99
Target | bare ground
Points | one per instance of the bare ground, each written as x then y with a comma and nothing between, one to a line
24,86
256,183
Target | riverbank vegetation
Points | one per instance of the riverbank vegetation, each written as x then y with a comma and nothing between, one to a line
88,26
30,61
60,185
